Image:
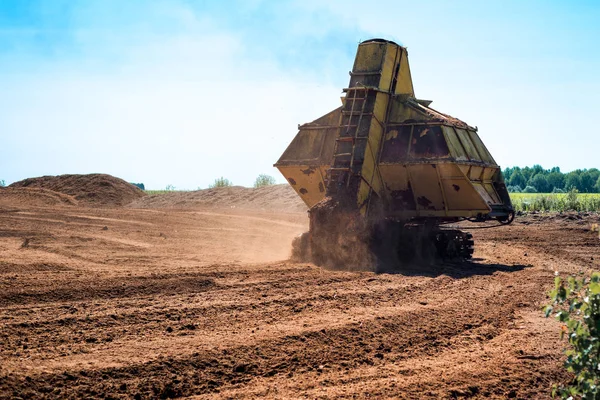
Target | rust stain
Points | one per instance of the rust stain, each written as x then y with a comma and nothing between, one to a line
292,181
425,203
308,171
456,187
321,187
403,199
303,191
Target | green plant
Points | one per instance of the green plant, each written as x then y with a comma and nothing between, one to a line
220,182
170,187
576,303
264,180
2,183
572,199
529,189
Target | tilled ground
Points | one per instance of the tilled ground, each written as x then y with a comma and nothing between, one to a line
125,303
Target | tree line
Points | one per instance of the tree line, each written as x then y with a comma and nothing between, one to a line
539,180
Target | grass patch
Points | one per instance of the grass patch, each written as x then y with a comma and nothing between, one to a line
571,201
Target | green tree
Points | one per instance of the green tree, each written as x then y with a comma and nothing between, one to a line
537,169
507,173
556,180
540,183
529,189
572,180
587,182
220,182
2,183
264,180
517,179
598,185
527,173
576,304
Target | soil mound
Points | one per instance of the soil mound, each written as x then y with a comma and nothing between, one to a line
34,197
267,198
89,190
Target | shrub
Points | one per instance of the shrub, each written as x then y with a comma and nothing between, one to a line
264,180
572,200
529,189
557,190
576,303
170,187
220,182
2,183
514,189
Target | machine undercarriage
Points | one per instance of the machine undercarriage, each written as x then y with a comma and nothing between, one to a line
346,242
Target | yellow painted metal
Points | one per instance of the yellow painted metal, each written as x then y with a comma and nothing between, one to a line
307,181
424,183
456,148
459,190
372,178
404,85
444,170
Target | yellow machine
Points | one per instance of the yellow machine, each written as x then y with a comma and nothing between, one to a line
386,166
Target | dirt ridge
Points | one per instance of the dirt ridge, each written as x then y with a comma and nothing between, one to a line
267,198
87,189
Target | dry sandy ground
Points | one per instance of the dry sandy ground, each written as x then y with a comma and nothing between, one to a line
132,303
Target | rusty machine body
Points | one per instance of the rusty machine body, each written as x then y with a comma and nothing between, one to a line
383,173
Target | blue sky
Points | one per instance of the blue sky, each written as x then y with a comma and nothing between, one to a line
182,91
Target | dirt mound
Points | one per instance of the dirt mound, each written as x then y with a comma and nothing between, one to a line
267,198
33,197
89,190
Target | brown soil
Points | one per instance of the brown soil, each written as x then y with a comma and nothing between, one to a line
268,198
154,303
89,190
33,197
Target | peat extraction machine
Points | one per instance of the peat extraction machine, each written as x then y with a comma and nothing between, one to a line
384,173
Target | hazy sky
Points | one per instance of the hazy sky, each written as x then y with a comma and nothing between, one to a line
183,91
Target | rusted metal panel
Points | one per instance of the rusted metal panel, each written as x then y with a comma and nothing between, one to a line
395,145
428,142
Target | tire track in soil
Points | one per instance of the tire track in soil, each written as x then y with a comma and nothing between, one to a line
308,350
457,330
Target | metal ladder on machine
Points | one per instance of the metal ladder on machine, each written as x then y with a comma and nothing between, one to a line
347,136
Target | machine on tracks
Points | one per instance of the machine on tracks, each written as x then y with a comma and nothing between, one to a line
384,173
